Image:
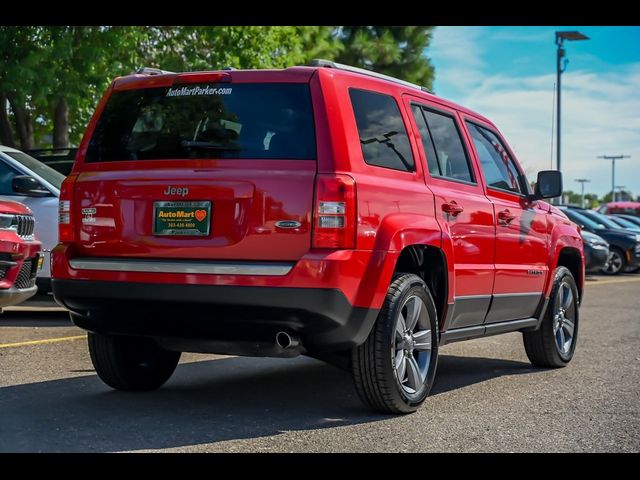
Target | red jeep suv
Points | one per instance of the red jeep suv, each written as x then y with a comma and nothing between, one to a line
322,210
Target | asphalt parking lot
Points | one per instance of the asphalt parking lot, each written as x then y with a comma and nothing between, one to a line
487,397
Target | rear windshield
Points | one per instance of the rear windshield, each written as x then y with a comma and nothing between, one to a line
242,121
601,219
624,222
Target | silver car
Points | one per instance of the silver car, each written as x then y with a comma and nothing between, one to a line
29,181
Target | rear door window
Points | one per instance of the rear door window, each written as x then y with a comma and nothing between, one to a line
452,160
383,135
427,141
241,121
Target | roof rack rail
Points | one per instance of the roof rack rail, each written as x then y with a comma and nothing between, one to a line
319,62
151,71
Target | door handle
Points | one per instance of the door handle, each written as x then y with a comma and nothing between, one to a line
452,208
505,217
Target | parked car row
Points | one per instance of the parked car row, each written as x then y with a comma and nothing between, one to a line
624,242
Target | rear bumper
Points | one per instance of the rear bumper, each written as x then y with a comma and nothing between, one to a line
362,276
208,317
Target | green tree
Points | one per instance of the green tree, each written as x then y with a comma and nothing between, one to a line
48,72
81,61
621,196
571,197
396,51
20,95
205,48
591,200
51,78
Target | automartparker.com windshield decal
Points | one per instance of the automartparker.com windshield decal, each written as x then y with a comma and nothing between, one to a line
197,91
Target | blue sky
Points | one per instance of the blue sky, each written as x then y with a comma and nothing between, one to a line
508,74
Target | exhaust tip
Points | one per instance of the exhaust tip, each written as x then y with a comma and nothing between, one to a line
284,340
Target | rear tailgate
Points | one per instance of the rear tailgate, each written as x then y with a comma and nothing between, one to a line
199,169
247,202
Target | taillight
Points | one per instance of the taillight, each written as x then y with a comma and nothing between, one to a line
335,212
202,77
65,217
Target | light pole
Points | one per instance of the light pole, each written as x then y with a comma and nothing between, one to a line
560,68
613,159
582,181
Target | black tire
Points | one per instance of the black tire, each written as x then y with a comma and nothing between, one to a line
609,268
131,363
541,345
373,362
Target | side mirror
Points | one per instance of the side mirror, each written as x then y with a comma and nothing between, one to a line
548,185
28,186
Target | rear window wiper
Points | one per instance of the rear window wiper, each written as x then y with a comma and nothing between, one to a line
208,145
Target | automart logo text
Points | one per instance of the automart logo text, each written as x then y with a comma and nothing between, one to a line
193,91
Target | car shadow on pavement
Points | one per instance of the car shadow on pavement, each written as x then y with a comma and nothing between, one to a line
457,372
204,403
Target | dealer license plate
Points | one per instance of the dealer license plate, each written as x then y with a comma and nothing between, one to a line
182,218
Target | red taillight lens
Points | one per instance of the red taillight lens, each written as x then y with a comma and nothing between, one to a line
202,77
65,217
335,212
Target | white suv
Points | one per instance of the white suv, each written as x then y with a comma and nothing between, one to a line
29,181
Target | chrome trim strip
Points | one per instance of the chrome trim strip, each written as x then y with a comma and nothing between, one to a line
499,295
186,266
485,330
471,297
523,294
510,325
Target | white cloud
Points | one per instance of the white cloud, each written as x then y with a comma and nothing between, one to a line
600,111
460,53
600,115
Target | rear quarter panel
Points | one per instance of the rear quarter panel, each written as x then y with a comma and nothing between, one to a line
396,209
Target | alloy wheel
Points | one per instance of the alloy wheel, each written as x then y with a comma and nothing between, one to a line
614,264
412,345
564,318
